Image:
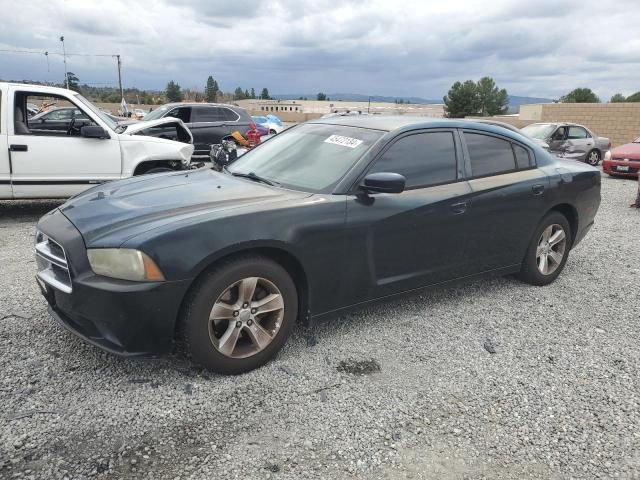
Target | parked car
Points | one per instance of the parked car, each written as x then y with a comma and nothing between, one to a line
63,151
139,113
58,119
623,160
209,122
569,140
272,127
328,216
274,119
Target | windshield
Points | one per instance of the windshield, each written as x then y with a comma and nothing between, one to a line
99,113
540,131
637,140
157,113
310,157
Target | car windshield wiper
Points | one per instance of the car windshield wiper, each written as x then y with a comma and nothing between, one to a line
254,177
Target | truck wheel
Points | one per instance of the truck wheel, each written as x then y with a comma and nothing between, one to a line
239,314
548,251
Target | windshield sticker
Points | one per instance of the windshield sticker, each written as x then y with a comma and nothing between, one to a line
343,141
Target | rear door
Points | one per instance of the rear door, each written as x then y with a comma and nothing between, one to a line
507,202
579,142
208,127
398,242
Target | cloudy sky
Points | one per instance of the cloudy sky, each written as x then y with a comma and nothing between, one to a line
412,48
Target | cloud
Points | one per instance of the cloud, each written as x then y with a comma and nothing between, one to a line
411,48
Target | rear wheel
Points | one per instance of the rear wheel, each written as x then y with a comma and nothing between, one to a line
240,314
593,157
548,251
272,132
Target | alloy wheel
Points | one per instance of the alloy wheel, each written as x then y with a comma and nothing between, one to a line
594,158
551,249
246,317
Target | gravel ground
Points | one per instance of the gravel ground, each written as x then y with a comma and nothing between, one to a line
493,379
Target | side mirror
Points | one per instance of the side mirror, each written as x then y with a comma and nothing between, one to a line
93,131
384,182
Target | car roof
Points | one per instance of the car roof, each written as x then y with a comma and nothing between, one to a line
558,124
198,104
396,122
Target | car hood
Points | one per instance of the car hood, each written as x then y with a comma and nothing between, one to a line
629,150
132,127
109,214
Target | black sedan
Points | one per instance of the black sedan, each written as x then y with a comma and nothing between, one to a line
328,216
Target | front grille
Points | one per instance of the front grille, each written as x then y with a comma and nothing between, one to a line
53,268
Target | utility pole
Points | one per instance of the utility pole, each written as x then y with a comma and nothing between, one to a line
120,78
64,57
369,106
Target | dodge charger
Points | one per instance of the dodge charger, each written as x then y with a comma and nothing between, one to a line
328,216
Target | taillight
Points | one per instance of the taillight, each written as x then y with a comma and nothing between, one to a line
609,145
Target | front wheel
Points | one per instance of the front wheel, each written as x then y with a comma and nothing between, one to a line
593,158
240,314
548,251
272,132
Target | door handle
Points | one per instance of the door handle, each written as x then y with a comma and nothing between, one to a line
537,189
18,148
459,207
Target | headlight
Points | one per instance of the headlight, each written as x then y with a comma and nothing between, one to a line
607,156
125,264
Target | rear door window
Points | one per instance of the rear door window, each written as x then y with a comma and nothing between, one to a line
523,159
183,113
489,155
577,133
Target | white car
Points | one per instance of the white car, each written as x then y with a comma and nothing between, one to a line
139,113
273,127
86,149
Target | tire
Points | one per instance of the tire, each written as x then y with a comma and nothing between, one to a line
223,345
531,271
593,158
272,132
158,170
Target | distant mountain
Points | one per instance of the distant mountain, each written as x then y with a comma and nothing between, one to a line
514,100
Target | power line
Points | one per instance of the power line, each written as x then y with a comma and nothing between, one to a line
7,50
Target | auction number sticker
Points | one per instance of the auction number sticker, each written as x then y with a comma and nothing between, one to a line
343,141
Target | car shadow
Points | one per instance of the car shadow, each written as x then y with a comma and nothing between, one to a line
26,210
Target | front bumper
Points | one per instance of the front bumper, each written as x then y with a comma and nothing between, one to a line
629,168
121,317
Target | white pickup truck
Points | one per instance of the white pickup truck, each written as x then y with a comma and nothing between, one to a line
72,144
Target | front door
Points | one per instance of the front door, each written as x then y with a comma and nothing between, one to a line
403,241
57,163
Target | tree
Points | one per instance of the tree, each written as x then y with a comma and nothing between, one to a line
73,80
618,98
253,93
265,94
492,100
580,95
238,94
211,90
173,92
462,99
321,96
634,98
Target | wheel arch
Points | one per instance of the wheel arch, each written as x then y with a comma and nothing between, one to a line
147,165
571,214
273,251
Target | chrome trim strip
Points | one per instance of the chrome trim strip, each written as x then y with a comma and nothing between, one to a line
48,277
45,253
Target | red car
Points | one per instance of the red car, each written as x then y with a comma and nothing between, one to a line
623,160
